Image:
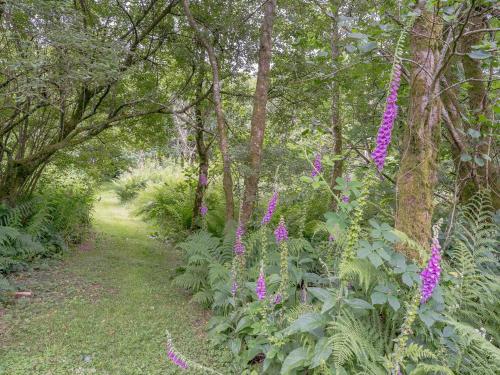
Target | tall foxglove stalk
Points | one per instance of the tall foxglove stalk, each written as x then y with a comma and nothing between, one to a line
281,235
316,165
391,109
260,288
432,273
271,207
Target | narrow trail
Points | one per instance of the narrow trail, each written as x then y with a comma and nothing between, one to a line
105,308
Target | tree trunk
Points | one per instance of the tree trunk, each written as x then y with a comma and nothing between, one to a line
202,150
227,180
258,123
417,173
335,120
487,175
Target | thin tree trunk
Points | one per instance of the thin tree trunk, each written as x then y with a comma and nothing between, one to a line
487,175
227,180
417,174
258,123
335,120
202,150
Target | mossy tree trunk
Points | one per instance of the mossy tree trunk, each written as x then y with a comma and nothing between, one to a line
258,123
485,173
202,149
417,173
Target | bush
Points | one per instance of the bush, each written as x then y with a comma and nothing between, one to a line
129,184
42,226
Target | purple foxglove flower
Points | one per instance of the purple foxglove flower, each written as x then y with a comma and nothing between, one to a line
431,274
345,198
203,179
261,286
239,247
176,360
271,207
203,209
281,234
240,231
234,288
277,298
316,166
391,109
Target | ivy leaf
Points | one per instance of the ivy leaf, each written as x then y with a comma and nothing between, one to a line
294,360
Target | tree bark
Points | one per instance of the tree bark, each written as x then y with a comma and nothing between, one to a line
487,175
202,150
335,120
227,180
258,123
417,174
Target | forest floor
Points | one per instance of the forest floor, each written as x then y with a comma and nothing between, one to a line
104,309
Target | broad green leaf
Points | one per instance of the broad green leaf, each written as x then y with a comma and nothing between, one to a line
294,360
407,279
375,259
322,352
306,323
394,302
357,303
378,298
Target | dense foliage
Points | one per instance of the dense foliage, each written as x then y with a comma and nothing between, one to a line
329,170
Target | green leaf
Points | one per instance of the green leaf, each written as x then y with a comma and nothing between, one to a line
235,345
367,47
363,252
407,279
320,293
479,54
357,36
479,161
383,254
306,179
245,322
306,323
474,133
357,303
378,298
465,157
375,259
322,352
394,302
294,360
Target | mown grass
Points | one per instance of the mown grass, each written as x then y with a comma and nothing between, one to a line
104,310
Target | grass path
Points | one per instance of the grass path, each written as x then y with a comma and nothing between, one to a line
104,310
